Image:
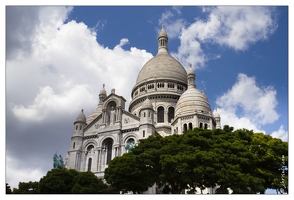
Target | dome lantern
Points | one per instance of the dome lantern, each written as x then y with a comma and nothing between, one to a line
162,41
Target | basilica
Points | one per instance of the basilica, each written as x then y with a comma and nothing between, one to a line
165,100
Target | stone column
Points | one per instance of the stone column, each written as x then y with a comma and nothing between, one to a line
165,117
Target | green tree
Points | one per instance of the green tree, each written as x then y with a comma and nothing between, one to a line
70,181
199,159
88,183
57,181
8,189
134,171
27,188
271,155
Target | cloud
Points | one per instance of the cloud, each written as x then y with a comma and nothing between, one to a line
229,26
246,105
281,133
21,31
17,174
47,103
67,63
172,22
236,27
54,70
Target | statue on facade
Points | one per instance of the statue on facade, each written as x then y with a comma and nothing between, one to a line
58,161
130,145
112,115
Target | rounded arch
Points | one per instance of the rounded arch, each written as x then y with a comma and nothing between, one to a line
185,127
108,101
106,137
130,135
88,143
160,105
160,114
107,146
170,113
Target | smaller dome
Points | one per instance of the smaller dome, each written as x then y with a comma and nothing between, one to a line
103,91
190,101
147,104
81,117
216,114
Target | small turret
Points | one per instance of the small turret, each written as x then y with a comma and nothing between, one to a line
79,124
162,41
102,95
217,118
146,119
191,77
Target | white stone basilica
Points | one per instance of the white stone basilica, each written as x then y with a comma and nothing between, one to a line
164,100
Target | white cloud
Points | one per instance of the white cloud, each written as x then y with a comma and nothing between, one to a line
237,27
172,24
246,105
16,174
231,26
281,133
70,67
48,103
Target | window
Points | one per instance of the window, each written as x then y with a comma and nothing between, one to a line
171,114
190,126
80,127
108,147
160,114
76,127
205,126
144,114
185,128
201,125
89,164
74,145
143,133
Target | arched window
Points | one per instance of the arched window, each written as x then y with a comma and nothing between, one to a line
89,164
130,144
201,125
160,114
144,114
190,126
74,145
185,128
108,148
76,127
171,113
205,126
90,148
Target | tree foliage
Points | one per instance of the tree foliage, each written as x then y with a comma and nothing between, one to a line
241,160
70,181
8,189
27,188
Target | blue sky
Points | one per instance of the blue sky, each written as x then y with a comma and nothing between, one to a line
57,59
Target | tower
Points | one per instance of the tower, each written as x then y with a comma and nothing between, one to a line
74,156
146,127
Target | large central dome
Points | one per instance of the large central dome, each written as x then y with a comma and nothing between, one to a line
162,66
162,77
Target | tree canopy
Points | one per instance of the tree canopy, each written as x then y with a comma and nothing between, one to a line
70,181
241,160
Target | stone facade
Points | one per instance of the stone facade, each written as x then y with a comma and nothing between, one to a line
164,100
